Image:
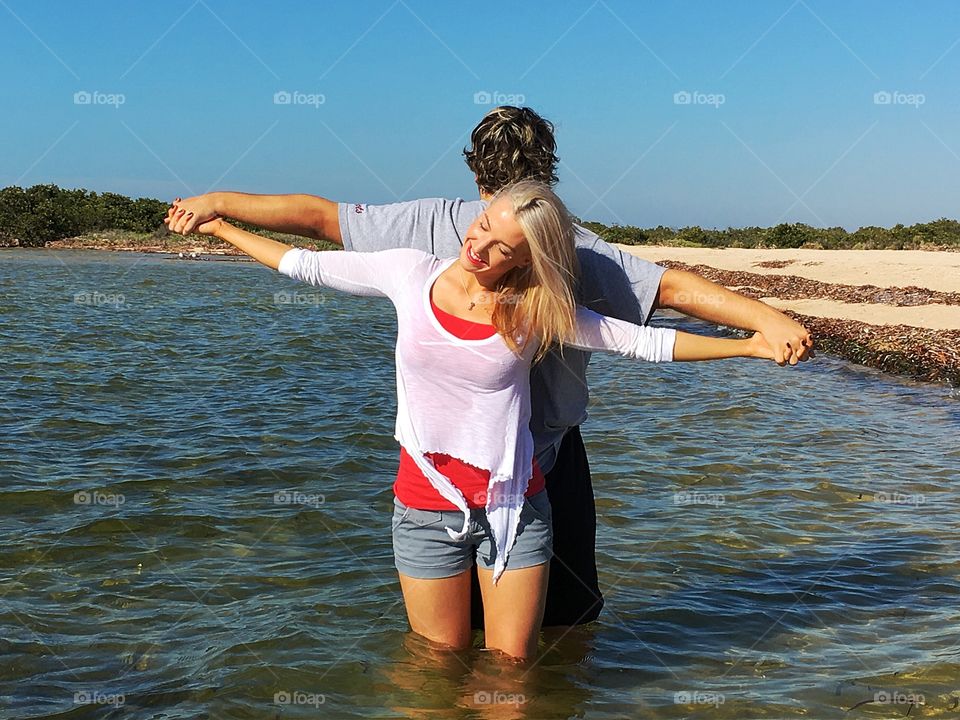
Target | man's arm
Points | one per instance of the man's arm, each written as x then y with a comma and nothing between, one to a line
306,215
693,295
622,285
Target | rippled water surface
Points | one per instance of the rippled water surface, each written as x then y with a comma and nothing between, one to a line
772,542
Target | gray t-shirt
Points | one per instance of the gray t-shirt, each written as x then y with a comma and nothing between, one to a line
611,283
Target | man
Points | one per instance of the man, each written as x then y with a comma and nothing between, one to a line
510,144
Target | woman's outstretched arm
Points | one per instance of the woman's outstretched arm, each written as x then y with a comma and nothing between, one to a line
599,332
262,249
379,273
690,347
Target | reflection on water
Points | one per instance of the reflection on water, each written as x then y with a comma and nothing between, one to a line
196,505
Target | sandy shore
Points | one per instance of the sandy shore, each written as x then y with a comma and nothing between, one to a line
897,311
893,269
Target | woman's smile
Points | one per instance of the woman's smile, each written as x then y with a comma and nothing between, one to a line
474,258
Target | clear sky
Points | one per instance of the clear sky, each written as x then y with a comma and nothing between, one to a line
711,113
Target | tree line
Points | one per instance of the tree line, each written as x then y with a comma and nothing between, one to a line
34,216
40,214
936,235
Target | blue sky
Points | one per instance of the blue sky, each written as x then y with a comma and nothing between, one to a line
716,114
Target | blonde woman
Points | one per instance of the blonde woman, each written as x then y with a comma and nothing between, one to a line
468,489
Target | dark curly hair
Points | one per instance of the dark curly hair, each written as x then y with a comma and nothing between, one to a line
512,144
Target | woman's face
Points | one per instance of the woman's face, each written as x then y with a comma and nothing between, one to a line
494,244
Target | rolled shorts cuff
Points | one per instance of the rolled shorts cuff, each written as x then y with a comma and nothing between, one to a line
422,548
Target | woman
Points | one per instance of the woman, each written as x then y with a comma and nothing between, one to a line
468,330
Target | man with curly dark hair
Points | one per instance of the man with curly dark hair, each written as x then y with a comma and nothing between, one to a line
511,144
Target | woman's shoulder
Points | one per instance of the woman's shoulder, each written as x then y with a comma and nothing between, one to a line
405,257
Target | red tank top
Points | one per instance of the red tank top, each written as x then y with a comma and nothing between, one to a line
412,487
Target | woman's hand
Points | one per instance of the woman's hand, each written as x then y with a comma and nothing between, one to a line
758,347
184,216
210,227
791,342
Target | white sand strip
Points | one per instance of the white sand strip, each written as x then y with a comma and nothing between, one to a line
883,268
935,317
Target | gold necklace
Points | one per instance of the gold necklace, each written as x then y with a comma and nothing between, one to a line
465,292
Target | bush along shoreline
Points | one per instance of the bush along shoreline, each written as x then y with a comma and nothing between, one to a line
48,216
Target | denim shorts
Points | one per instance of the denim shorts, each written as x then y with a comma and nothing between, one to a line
422,548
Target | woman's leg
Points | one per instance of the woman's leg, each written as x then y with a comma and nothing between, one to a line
439,609
513,609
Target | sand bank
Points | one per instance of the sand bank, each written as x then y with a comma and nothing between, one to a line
894,310
896,270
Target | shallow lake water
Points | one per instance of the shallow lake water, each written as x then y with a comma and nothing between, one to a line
196,461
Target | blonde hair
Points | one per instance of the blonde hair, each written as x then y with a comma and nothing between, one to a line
536,302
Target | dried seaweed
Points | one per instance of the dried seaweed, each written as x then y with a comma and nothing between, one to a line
791,287
919,353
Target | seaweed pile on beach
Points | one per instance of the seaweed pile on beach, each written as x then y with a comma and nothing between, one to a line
791,287
919,353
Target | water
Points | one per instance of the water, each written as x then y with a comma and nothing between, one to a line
773,542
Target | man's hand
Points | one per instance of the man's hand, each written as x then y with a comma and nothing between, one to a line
790,341
184,216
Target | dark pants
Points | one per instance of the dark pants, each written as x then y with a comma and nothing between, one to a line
573,595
